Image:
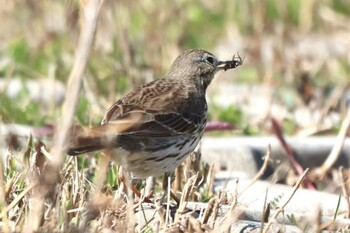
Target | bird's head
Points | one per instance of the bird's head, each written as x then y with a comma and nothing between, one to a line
199,66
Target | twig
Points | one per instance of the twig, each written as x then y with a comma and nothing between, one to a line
344,190
130,212
260,172
280,209
8,77
266,212
230,218
210,180
3,213
208,210
214,214
5,227
149,187
168,203
290,152
160,214
335,153
90,11
195,225
186,194
332,101
178,179
17,199
318,221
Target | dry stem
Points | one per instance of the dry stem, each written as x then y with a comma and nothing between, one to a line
261,171
345,190
334,155
5,227
90,10
280,209
17,199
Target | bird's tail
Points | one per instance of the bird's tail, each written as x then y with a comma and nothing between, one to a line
105,136
84,140
87,144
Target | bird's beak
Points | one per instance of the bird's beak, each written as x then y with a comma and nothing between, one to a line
226,65
221,65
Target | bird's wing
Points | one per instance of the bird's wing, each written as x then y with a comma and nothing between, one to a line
128,128
137,122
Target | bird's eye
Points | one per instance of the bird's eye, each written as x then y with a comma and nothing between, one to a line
210,60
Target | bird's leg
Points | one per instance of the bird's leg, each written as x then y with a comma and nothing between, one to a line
130,186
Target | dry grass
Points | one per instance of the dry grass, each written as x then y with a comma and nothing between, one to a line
76,204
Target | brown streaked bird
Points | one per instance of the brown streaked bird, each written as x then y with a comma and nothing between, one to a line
153,128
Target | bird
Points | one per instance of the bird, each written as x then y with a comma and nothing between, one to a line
152,129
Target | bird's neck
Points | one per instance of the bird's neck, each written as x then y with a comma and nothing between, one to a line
203,82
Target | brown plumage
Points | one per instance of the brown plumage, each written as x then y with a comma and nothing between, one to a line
154,127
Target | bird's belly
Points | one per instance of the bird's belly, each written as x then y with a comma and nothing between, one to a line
153,161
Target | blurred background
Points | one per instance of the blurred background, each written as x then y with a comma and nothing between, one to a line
296,58
296,71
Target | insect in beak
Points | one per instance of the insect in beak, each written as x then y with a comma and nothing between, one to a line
231,64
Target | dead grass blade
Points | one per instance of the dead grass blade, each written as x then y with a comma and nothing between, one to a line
280,208
186,194
17,199
230,218
261,171
5,227
48,179
276,128
344,190
318,221
266,212
334,155
208,210
90,12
